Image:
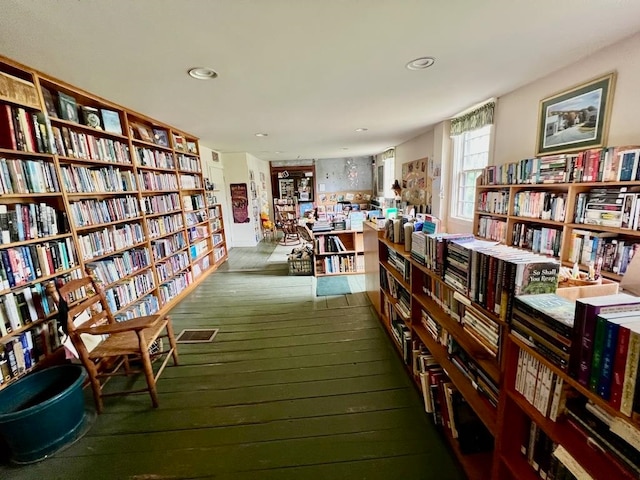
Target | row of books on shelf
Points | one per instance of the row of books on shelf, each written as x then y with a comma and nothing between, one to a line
151,181
21,353
329,244
596,340
161,226
540,386
86,146
19,176
119,266
24,264
609,164
539,204
177,284
127,291
159,204
609,207
24,306
447,406
196,217
340,263
604,250
146,157
24,130
550,460
538,239
110,239
492,229
164,247
190,182
147,305
78,179
171,266
198,249
88,213
400,263
21,222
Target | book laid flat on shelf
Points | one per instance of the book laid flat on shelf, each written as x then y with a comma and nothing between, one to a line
68,107
111,121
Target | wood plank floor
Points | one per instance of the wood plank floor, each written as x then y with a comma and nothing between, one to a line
293,387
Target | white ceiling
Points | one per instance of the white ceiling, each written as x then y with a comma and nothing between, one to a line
307,72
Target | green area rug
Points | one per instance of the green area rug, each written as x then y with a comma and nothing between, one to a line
338,285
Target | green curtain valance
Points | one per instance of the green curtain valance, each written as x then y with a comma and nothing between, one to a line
473,120
391,153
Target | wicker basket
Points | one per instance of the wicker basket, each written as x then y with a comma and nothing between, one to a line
301,266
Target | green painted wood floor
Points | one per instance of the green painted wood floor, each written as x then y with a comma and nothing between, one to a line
293,387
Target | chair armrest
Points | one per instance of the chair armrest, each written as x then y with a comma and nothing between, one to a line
134,324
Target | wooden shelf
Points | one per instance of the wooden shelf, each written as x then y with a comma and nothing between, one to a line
485,360
90,161
485,411
64,200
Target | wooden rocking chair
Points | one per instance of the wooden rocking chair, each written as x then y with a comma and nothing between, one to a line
118,342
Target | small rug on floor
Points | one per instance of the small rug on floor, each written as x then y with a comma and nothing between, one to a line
338,285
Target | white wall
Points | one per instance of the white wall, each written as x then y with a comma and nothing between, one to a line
263,198
237,171
517,112
414,149
214,171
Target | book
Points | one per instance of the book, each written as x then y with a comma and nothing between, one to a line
68,107
604,349
111,121
49,102
587,310
160,137
91,117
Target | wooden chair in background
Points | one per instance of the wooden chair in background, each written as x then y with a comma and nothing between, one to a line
118,343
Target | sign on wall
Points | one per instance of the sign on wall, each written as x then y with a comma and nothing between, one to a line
239,202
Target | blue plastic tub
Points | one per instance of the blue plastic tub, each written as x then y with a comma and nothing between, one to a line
42,412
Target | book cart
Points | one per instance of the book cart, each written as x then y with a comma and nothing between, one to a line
88,185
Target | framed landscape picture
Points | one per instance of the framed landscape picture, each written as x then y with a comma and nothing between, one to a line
576,119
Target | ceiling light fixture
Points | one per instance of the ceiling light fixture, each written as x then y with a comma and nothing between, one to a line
345,148
361,129
262,134
421,63
202,73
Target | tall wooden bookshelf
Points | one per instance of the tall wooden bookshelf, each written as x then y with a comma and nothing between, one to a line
411,299
88,185
397,288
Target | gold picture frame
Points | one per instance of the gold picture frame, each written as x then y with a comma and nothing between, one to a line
577,118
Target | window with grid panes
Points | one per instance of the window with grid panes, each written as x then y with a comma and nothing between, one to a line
471,155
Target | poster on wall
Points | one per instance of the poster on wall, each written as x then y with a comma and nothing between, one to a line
239,202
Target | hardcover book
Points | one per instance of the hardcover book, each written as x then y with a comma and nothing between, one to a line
49,102
68,107
91,117
111,121
587,311
160,137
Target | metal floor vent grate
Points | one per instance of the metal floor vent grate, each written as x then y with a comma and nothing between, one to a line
197,335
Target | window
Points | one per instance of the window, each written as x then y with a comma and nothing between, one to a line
471,155
389,177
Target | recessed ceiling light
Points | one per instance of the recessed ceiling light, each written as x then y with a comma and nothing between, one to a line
421,63
277,152
202,73
361,129
262,134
